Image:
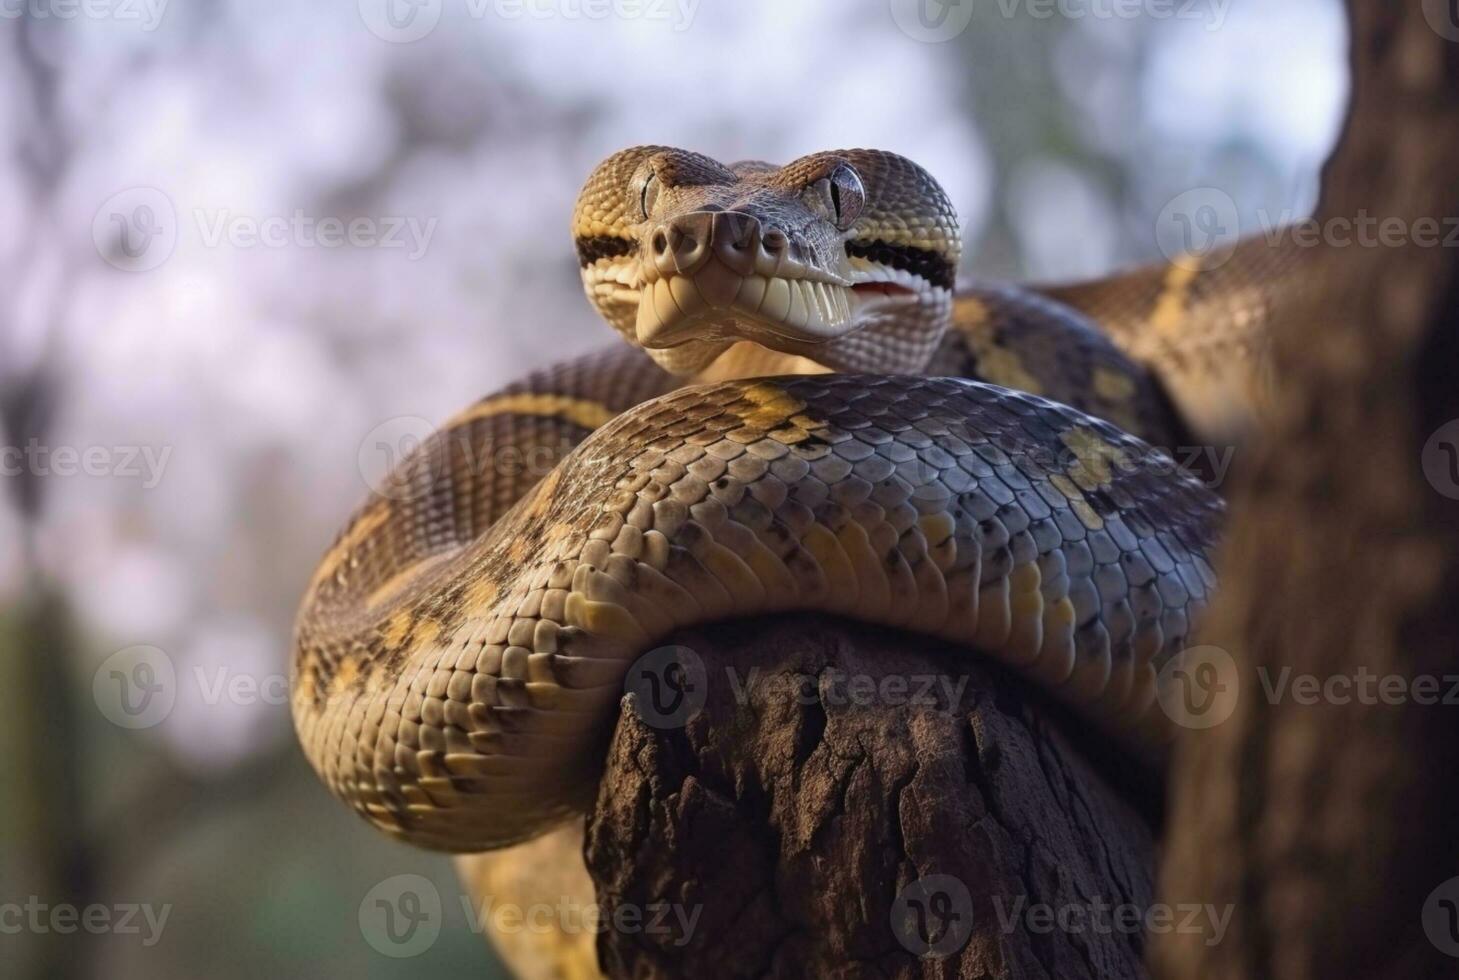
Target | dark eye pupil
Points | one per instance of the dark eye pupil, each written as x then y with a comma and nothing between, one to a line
836,197
645,200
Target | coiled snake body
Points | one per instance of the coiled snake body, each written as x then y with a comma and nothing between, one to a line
978,468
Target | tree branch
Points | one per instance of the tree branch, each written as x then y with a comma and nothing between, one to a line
778,828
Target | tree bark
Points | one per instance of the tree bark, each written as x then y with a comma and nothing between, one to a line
1327,827
862,798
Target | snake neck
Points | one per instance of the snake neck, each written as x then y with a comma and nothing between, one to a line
747,360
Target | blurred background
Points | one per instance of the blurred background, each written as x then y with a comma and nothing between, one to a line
249,247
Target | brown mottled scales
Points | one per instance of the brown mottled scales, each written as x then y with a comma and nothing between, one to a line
464,643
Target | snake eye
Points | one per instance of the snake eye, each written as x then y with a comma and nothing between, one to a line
649,195
838,197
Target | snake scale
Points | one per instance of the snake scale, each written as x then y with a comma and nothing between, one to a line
808,416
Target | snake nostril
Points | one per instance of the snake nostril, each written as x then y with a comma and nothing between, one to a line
660,242
776,241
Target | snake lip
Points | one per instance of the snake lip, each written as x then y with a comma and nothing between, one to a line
718,303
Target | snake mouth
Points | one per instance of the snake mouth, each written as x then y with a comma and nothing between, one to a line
873,291
716,303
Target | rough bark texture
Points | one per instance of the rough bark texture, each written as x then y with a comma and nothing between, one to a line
1328,827
791,811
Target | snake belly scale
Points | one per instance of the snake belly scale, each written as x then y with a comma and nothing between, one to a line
977,466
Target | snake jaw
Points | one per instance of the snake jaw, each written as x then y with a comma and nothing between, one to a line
715,304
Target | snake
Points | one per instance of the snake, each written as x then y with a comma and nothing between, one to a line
805,414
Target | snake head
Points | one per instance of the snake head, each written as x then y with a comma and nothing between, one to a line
846,257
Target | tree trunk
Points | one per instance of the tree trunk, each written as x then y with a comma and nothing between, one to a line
863,804
1327,827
